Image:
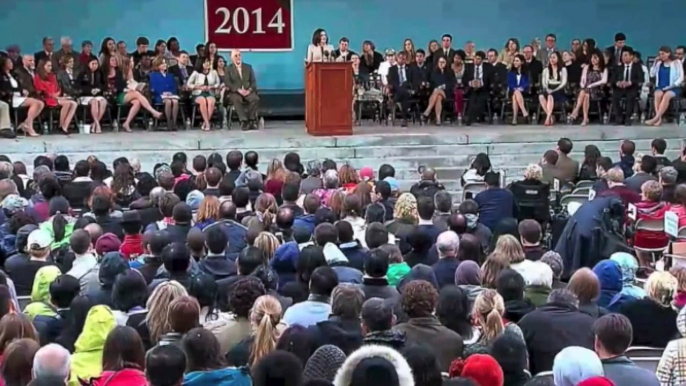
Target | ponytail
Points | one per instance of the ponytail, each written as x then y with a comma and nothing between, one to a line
201,181
59,227
493,326
265,317
488,310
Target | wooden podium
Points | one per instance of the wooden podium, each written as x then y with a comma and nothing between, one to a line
329,98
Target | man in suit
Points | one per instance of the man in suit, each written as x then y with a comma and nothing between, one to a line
242,88
401,85
199,53
533,66
25,73
343,53
616,50
498,69
445,51
182,70
66,48
567,167
48,48
476,79
142,44
550,46
420,75
626,80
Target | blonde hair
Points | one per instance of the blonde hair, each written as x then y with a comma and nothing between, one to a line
679,272
651,191
265,206
509,248
275,170
158,62
615,174
264,318
267,243
533,172
491,269
406,208
209,209
661,287
158,308
488,313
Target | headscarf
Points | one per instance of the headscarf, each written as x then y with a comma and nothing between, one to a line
13,203
468,273
575,364
481,368
628,265
610,278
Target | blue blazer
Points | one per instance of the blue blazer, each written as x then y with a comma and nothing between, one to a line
512,81
159,84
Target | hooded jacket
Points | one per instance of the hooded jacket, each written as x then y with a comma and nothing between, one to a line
229,376
219,266
68,230
339,263
285,261
610,278
86,362
125,377
348,376
628,265
40,293
307,221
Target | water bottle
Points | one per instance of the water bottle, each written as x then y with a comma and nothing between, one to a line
606,119
82,128
570,121
188,123
459,119
634,117
534,119
46,129
115,126
225,122
682,119
260,124
151,123
643,119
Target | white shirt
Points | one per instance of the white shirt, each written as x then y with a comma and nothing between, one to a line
479,72
383,71
402,74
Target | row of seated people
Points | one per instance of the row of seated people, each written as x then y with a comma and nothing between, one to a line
563,79
144,85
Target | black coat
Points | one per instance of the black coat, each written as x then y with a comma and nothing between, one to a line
653,324
551,328
89,80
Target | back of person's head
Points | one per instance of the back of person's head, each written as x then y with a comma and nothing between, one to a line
129,291
377,315
346,301
227,210
6,301
278,368
345,232
15,326
376,235
325,233
311,258
80,242
323,280
615,174
352,206
290,191
585,285
123,349
613,334
158,241
82,169
376,265
530,231
375,212
216,240
264,318
184,314
510,352
63,290
167,204
234,159
426,208
447,244
563,296
52,360
659,145
668,175
17,361
565,145
424,364
492,179
551,157
385,171
202,350
311,203
628,147
176,257
510,285
604,163
249,259
165,365
285,218
419,299
648,164
213,176
245,292
488,312
443,201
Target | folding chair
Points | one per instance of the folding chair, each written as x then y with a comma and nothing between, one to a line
652,226
471,189
584,184
570,198
645,357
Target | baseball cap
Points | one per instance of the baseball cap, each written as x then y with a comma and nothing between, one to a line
393,182
194,199
39,239
367,173
390,51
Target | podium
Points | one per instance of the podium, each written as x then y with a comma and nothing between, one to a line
329,98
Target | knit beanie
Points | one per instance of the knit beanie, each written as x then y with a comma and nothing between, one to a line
481,368
324,363
597,381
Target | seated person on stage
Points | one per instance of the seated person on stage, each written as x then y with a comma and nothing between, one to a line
593,78
626,83
343,53
203,84
16,93
477,79
422,69
122,93
361,79
241,85
92,85
442,81
45,82
517,85
182,70
401,85
498,69
370,60
165,91
553,82
386,65
458,67
142,70
534,67
669,76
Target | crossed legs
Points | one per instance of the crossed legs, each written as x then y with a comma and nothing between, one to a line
662,101
98,107
137,100
518,104
35,107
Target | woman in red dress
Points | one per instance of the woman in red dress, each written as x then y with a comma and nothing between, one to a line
45,83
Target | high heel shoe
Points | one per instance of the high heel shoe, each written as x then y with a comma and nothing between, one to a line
27,132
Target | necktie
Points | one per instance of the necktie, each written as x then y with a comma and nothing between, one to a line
478,73
626,73
618,55
402,75
240,72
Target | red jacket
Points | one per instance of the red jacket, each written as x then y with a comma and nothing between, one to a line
126,377
651,211
48,88
132,247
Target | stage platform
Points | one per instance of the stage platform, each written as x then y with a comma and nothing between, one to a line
449,149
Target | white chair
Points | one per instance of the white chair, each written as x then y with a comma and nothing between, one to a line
578,198
652,226
584,184
582,191
645,357
472,188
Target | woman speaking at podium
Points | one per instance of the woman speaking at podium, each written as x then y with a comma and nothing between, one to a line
320,50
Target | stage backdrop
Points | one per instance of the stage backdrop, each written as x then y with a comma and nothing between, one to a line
283,28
